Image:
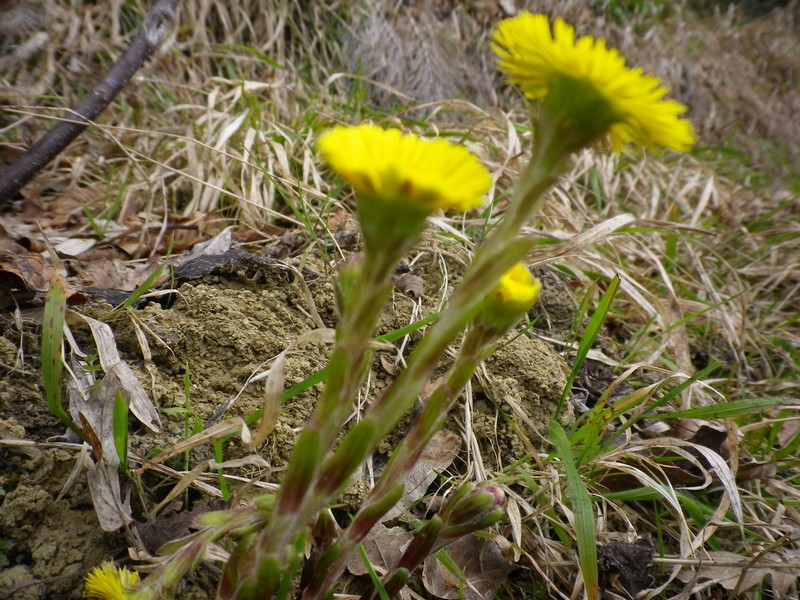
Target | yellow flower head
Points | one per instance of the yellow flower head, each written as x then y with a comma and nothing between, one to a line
109,582
389,165
539,60
518,289
511,297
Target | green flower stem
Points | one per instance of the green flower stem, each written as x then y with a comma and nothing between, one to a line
364,289
501,251
309,483
389,408
553,143
476,347
413,556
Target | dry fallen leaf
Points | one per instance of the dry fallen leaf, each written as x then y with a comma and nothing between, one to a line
439,454
94,409
383,546
732,572
120,378
480,560
93,406
32,269
627,566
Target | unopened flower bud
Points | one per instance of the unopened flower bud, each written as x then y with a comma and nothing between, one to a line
513,295
481,507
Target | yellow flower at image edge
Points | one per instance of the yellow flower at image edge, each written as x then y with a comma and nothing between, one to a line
538,60
389,165
518,289
109,582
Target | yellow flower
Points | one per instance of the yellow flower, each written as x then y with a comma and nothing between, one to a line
392,166
511,297
109,582
518,289
539,60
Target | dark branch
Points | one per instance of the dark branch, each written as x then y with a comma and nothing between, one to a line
157,22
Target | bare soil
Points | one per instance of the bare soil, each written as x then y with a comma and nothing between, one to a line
224,330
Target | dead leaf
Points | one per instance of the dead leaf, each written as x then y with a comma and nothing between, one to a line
482,563
120,378
439,454
338,218
219,244
384,547
515,521
388,365
174,523
93,406
732,572
75,246
112,511
170,525
106,271
232,426
95,410
32,271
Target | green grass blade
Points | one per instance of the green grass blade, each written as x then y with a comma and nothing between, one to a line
258,54
187,404
582,508
448,563
665,399
120,431
395,335
589,336
219,456
373,575
55,309
728,410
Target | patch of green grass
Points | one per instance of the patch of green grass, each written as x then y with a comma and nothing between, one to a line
643,14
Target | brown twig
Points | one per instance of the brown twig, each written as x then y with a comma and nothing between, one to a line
157,22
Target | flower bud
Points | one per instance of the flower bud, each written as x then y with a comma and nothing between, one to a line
515,293
479,508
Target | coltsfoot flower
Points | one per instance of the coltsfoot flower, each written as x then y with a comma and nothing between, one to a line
513,295
109,582
591,79
518,290
389,165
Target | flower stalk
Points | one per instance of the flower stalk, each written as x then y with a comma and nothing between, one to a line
470,508
393,206
500,310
